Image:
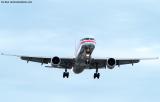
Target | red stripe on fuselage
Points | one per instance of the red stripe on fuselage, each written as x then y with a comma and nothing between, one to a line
85,41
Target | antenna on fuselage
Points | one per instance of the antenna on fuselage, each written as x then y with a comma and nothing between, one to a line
75,48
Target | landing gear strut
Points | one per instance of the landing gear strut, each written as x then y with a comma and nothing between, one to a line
96,75
65,74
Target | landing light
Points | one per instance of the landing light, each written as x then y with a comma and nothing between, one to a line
87,55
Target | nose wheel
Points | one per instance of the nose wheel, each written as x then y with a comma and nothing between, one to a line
87,61
65,74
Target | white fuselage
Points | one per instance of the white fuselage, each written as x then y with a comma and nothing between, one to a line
83,55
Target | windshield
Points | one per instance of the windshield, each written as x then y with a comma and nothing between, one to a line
87,39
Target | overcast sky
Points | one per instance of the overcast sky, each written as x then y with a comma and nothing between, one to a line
122,28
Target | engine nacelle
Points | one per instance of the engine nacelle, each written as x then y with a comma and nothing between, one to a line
111,63
55,60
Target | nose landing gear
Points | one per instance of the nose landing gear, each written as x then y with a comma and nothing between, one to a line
87,61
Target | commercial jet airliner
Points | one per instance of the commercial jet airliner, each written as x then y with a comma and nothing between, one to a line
82,60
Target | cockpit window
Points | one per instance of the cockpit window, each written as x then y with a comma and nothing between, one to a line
91,38
87,39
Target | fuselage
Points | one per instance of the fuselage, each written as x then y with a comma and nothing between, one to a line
83,54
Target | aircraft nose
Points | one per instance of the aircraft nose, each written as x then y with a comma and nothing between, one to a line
90,45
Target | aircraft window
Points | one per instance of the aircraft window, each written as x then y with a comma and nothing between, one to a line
91,38
87,39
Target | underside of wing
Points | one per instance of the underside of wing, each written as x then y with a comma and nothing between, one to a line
64,63
123,61
55,62
36,59
129,61
100,63
112,62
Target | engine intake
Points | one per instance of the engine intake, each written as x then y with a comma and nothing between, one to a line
111,63
56,60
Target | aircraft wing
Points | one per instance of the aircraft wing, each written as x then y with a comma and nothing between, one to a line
102,63
42,60
65,62
69,62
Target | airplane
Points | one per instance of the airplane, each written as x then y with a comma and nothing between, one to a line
82,60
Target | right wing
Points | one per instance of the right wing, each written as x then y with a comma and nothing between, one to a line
65,62
42,60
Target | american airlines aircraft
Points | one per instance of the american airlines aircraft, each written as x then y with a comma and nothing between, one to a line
83,60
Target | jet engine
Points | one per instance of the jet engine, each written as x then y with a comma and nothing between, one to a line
55,60
111,63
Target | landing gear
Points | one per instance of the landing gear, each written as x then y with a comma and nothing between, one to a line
87,62
65,74
96,75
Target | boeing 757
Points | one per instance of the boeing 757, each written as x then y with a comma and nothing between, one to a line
82,60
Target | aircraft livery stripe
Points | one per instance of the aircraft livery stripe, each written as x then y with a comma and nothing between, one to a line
85,41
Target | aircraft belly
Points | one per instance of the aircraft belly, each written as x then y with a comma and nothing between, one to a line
78,69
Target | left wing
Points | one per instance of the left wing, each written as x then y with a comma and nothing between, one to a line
42,60
132,60
65,62
112,62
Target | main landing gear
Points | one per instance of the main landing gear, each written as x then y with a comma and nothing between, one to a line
96,75
65,74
